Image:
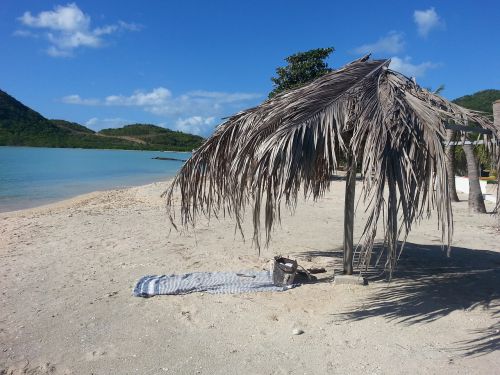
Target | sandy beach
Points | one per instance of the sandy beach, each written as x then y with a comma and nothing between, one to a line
67,272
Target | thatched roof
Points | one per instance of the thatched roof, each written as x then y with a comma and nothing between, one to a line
289,144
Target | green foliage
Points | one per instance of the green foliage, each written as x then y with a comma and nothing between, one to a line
438,91
480,101
72,126
156,136
135,129
21,126
303,67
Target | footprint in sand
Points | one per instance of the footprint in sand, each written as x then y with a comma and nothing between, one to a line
100,353
27,368
186,315
95,355
189,316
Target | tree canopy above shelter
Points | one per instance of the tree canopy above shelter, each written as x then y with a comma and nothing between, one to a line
302,67
268,155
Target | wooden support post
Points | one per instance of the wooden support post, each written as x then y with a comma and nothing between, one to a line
350,190
392,224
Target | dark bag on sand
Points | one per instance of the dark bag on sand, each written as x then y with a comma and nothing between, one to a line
283,270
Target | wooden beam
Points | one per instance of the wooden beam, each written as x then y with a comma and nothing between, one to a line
467,129
459,143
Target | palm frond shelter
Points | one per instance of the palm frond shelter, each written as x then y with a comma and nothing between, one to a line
375,118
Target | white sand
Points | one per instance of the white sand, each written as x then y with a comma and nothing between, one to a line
67,272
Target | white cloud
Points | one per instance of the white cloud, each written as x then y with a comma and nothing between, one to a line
195,125
392,43
66,42
196,112
411,70
200,101
223,97
67,28
427,20
76,99
25,33
96,123
55,52
161,102
66,18
157,97
110,29
92,121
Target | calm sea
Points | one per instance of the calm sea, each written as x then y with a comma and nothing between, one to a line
30,177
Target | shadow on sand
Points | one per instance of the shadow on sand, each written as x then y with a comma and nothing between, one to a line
427,285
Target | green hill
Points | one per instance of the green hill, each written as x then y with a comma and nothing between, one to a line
72,126
135,130
155,135
21,126
479,101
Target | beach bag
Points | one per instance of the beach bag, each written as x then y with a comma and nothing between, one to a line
283,270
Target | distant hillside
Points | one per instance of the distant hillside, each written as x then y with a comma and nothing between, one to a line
21,126
135,130
480,101
155,135
72,126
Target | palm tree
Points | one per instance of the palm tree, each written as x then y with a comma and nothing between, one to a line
450,164
476,200
290,145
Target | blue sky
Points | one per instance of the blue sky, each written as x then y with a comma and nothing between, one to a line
186,64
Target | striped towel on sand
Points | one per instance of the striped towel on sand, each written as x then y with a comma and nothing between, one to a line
210,282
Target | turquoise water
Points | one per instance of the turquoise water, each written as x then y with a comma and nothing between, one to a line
31,176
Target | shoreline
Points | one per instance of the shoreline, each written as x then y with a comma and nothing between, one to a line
67,201
95,149
34,176
79,198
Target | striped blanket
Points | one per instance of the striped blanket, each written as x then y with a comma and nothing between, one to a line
210,282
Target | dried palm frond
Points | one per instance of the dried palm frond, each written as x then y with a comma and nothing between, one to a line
268,154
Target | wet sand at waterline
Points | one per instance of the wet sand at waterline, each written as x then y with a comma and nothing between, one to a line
67,272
